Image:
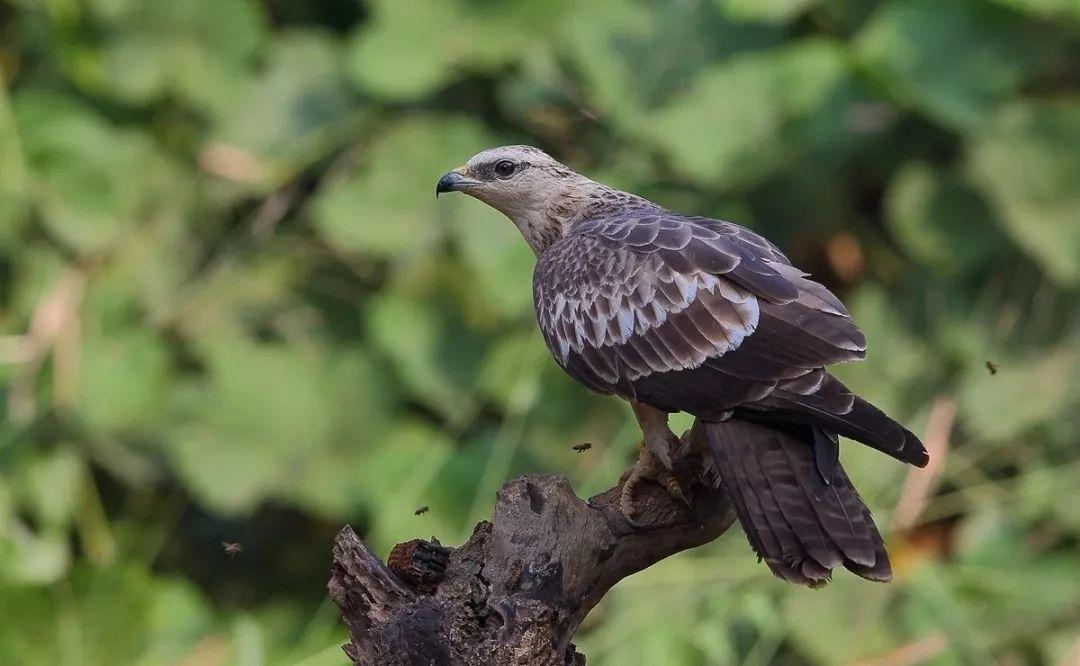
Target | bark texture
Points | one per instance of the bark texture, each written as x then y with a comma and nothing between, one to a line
519,588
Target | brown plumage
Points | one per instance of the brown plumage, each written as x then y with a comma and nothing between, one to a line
685,313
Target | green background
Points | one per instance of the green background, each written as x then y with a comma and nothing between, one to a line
231,309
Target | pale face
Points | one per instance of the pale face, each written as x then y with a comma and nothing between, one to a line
522,182
513,179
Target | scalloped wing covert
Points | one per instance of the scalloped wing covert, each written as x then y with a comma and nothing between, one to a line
626,297
698,315
628,314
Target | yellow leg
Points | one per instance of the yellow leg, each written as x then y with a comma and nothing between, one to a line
655,459
658,437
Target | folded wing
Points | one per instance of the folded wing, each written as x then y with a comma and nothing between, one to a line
703,316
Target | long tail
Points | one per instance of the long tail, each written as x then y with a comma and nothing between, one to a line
801,525
834,408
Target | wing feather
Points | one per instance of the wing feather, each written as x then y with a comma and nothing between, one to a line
703,316
672,292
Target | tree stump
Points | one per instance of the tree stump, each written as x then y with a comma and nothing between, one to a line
519,588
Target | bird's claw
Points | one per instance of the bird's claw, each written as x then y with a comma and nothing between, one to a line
648,468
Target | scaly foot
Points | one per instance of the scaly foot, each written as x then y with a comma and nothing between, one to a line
649,467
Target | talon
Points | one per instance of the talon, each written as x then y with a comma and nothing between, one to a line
629,481
671,484
634,523
648,467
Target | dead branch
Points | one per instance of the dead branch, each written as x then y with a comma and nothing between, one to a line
519,588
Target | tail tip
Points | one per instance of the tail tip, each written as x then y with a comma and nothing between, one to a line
914,451
922,459
879,572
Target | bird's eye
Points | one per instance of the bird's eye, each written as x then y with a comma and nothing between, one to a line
504,168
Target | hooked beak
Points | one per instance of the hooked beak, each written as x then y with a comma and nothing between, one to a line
453,181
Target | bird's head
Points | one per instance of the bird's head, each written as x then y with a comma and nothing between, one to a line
539,194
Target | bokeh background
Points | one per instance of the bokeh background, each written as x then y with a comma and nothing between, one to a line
232,312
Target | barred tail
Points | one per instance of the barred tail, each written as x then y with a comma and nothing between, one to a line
801,525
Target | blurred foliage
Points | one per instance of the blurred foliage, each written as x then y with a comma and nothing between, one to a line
231,310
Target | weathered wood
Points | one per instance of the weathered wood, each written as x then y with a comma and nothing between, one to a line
420,564
519,588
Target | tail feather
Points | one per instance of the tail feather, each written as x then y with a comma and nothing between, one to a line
792,548
881,569
785,486
759,531
801,526
844,517
857,419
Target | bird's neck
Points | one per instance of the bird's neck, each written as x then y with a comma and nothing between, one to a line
542,226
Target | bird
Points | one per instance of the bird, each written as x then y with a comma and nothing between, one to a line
683,313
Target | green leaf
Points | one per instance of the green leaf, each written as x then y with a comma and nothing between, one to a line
1045,493
846,625
1010,582
147,272
12,174
499,257
30,558
765,11
38,502
51,485
113,615
511,359
123,382
178,617
630,63
275,420
1049,9
729,128
596,36
1026,163
435,356
936,605
406,51
955,60
260,413
940,220
1022,395
895,358
90,180
197,49
402,469
295,110
388,208
362,399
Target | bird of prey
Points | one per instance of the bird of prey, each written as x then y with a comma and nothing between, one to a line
675,312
